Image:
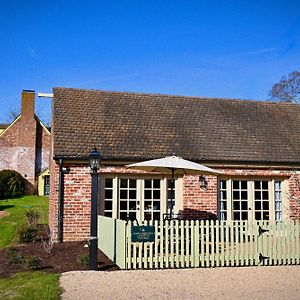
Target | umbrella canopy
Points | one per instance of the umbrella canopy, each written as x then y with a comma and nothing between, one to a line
173,165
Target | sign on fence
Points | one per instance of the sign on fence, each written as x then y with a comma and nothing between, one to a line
142,234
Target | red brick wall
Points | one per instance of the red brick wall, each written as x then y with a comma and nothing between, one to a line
18,150
294,197
25,145
197,202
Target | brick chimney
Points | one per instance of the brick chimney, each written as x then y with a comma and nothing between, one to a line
27,109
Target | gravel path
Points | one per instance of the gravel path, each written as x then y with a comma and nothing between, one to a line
226,283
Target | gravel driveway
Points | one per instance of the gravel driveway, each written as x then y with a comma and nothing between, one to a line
226,283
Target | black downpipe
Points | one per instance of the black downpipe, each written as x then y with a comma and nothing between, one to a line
60,214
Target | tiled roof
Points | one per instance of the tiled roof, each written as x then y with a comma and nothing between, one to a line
133,126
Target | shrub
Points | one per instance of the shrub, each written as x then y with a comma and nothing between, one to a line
13,256
32,262
32,217
27,234
83,260
12,184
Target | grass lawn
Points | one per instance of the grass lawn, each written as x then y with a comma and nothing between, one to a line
16,209
30,285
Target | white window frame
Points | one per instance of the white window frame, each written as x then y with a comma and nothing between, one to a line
250,190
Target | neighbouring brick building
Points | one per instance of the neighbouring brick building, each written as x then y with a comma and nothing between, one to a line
256,146
25,145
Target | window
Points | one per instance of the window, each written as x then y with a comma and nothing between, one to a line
250,199
138,198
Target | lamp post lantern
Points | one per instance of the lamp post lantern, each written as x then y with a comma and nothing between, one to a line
94,159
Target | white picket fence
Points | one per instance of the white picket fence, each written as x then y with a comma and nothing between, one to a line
185,244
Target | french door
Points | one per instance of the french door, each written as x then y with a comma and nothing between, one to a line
135,198
258,199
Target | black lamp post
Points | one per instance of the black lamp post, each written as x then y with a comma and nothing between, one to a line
94,158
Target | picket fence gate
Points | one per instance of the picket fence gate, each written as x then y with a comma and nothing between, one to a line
198,243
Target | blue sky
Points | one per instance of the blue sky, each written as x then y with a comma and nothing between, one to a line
234,49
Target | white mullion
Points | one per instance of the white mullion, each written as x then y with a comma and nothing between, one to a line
229,199
251,206
115,200
140,199
271,186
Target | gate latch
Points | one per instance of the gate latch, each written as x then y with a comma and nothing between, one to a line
261,230
261,257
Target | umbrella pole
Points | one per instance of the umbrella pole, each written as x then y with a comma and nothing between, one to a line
172,191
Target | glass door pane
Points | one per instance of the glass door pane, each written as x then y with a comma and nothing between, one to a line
240,200
152,199
261,200
128,203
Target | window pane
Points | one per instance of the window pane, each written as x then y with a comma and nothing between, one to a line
264,185
244,205
244,185
147,194
148,183
244,215
277,185
147,216
244,195
257,195
156,183
123,215
132,205
236,205
265,205
223,185
236,195
265,215
171,183
235,184
132,183
108,182
257,185
132,194
108,194
257,205
156,205
156,194
236,216
265,195
123,194
156,216
258,215
108,214
108,205
123,205
123,183
148,205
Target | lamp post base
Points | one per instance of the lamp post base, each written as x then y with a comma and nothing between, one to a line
93,248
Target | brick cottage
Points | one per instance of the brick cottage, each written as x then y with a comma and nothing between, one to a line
25,146
256,146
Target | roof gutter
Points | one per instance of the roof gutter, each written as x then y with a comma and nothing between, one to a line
61,194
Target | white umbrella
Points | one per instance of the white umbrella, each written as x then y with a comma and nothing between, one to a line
173,165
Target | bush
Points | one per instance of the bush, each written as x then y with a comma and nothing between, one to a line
27,234
32,262
13,256
32,217
12,184
83,260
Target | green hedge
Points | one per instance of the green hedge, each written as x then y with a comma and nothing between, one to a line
12,184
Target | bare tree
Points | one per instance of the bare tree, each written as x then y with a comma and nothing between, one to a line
287,89
13,113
